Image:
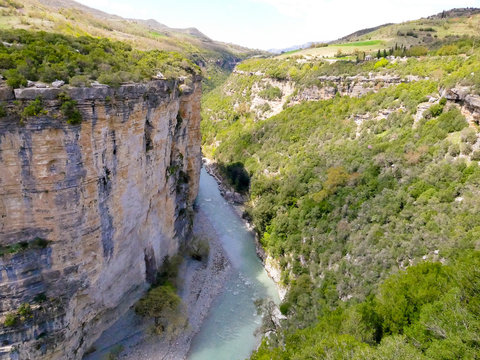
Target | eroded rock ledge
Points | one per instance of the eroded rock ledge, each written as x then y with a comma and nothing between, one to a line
89,212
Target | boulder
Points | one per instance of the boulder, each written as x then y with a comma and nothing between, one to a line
456,93
33,93
6,93
58,83
473,102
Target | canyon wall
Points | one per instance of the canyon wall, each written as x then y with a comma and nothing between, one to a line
90,211
327,88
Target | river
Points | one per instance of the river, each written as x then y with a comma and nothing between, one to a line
229,330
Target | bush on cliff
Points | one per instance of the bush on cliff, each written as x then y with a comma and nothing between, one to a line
69,110
271,93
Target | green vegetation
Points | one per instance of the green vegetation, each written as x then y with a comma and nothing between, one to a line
23,313
382,170
430,32
381,63
41,56
69,110
344,206
216,59
3,111
37,243
362,43
452,69
199,248
162,303
115,352
271,93
236,175
429,311
10,320
34,108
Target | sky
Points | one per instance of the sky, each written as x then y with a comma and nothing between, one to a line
269,24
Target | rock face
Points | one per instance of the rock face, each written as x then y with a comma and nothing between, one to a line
94,208
327,88
354,86
470,103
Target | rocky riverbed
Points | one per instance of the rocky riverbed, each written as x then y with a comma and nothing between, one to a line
200,282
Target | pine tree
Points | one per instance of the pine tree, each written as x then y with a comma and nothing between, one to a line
379,55
384,53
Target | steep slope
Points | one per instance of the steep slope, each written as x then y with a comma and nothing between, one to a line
365,170
455,22
432,32
71,18
97,190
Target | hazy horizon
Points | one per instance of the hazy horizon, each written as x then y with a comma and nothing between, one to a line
267,24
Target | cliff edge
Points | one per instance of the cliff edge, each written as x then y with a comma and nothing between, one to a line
90,211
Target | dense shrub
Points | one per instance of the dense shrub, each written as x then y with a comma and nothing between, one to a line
41,56
381,63
69,110
34,108
342,205
425,312
271,93
163,305
451,121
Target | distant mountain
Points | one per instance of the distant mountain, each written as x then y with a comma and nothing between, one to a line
359,33
430,32
291,48
453,13
455,22
72,18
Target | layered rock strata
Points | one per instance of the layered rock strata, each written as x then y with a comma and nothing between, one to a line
90,211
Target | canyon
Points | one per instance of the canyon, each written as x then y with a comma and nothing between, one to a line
82,203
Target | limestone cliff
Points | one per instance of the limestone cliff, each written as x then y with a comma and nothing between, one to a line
293,93
89,212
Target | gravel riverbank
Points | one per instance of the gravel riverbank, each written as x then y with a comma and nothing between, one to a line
201,282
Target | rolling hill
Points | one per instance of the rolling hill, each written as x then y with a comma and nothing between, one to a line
71,18
430,32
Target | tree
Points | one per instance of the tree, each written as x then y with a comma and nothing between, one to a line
401,296
165,307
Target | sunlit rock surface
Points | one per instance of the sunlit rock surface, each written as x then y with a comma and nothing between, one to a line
99,205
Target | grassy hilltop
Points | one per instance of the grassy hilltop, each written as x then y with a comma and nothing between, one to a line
429,32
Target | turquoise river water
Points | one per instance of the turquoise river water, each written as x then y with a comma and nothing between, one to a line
228,332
